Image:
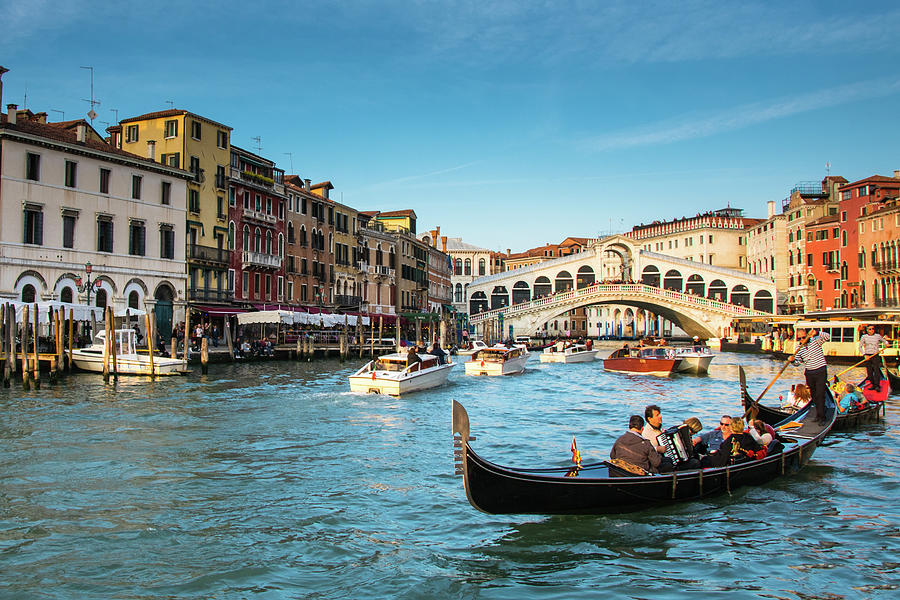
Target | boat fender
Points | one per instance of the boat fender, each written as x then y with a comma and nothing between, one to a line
373,375
482,363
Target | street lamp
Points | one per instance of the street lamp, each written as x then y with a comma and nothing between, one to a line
86,287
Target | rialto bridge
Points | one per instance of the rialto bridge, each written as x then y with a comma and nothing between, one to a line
699,298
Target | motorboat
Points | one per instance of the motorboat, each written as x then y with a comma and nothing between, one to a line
498,360
563,352
128,361
393,375
694,359
613,486
646,360
472,349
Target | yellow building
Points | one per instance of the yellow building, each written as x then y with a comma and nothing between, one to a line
180,138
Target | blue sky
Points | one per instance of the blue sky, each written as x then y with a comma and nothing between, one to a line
510,124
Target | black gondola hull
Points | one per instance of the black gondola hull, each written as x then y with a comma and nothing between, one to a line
844,421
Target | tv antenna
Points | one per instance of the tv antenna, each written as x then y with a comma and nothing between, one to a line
170,103
63,117
828,169
115,112
91,114
291,155
258,141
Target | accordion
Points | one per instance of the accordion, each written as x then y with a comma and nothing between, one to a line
678,443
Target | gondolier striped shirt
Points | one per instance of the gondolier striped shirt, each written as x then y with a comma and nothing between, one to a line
811,354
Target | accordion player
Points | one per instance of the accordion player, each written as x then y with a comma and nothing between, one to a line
678,443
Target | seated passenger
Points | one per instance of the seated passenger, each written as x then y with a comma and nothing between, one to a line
711,441
412,357
633,448
849,398
740,445
437,351
801,398
760,433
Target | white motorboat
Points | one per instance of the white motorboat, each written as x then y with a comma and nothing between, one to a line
128,361
561,352
694,359
498,360
392,375
475,347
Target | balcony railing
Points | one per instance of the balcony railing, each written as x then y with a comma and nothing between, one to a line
209,254
380,270
885,266
886,302
258,259
208,295
342,300
259,216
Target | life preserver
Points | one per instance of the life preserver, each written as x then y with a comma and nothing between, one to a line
373,375
482,363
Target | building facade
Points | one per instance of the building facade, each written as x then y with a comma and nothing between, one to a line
378,260
74,209
823,254
767,253
879,256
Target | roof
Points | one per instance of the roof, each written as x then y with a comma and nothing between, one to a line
68,136
824,220
398,213
873,179
458,245
172,112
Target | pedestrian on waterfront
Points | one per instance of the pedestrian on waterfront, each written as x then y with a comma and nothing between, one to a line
634,449
215,335
870,344
811,356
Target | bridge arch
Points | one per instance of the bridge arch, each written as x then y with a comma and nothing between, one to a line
740,295
718,290
478,303
584,277
542,287
499,297
521,292
563,281
695,285
650,276
673,280
763,300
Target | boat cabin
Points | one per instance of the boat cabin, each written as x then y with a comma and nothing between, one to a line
125,340
500,354
397,362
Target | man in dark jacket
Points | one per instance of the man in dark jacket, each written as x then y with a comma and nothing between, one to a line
633,448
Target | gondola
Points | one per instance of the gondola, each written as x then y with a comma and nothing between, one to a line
893,377
843,421
605,488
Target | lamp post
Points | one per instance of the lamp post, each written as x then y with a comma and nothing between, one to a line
86,286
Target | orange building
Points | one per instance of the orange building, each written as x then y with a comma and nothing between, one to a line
823,251
879,256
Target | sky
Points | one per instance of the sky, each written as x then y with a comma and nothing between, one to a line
509,124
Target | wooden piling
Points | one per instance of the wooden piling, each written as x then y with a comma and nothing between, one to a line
380,328
372,337
114,347
418,332
359,334
187,338
26,372
4,343
150,319
35,366
106,346
204,355
443,328
10,342
71,338
228,339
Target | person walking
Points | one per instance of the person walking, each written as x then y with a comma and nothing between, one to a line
810,355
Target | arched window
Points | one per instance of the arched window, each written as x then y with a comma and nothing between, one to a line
481,267
257,240
458,292
268,241
245,242
302,235
65,295
100,298
563,281
468,269
231,235
499,297
520,292
650,276
673,280
584,277
290,232
281,244
542,287
133,299
458,266
28,293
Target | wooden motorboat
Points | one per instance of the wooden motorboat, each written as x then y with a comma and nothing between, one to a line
843,421
602,488
652,360
694,359
498,360
391,374
562,352
474,347
128,361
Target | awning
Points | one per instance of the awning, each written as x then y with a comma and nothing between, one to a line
420,316
219,311
130,312
81,312
266,316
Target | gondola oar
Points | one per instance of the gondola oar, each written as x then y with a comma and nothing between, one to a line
857,364
755,403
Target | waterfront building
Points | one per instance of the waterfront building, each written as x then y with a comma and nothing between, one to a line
879,254
807,202
201,146
322,209
86,222
715,238
301,243
440,270
823,253
857,200
767,255
349,277
378,259
412,260
469,263
256,214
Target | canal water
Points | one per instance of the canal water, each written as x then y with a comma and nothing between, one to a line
271,480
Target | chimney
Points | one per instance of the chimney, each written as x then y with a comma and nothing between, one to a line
11,113
508,251
151,149
434,236
444,244
771,205
80,132
2,71
307,184
897,174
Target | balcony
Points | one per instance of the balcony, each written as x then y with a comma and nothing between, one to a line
258,259
886,302
886,266
831,267
259,216
209,295
209,254
380,271
349,301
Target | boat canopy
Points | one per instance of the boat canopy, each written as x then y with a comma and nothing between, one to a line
289,317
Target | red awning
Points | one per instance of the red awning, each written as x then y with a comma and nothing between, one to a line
219,311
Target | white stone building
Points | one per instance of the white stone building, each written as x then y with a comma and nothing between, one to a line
67,199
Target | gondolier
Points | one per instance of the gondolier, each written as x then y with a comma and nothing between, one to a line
816,370
870,344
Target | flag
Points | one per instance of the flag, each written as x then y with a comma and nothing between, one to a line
576,455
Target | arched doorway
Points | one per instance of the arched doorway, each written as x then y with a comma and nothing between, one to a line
542,287
563,281
650,276
763,301
695,286
478,303
65,295
521,293
585,277
499,297
673,281
164,297
718,291
740,296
